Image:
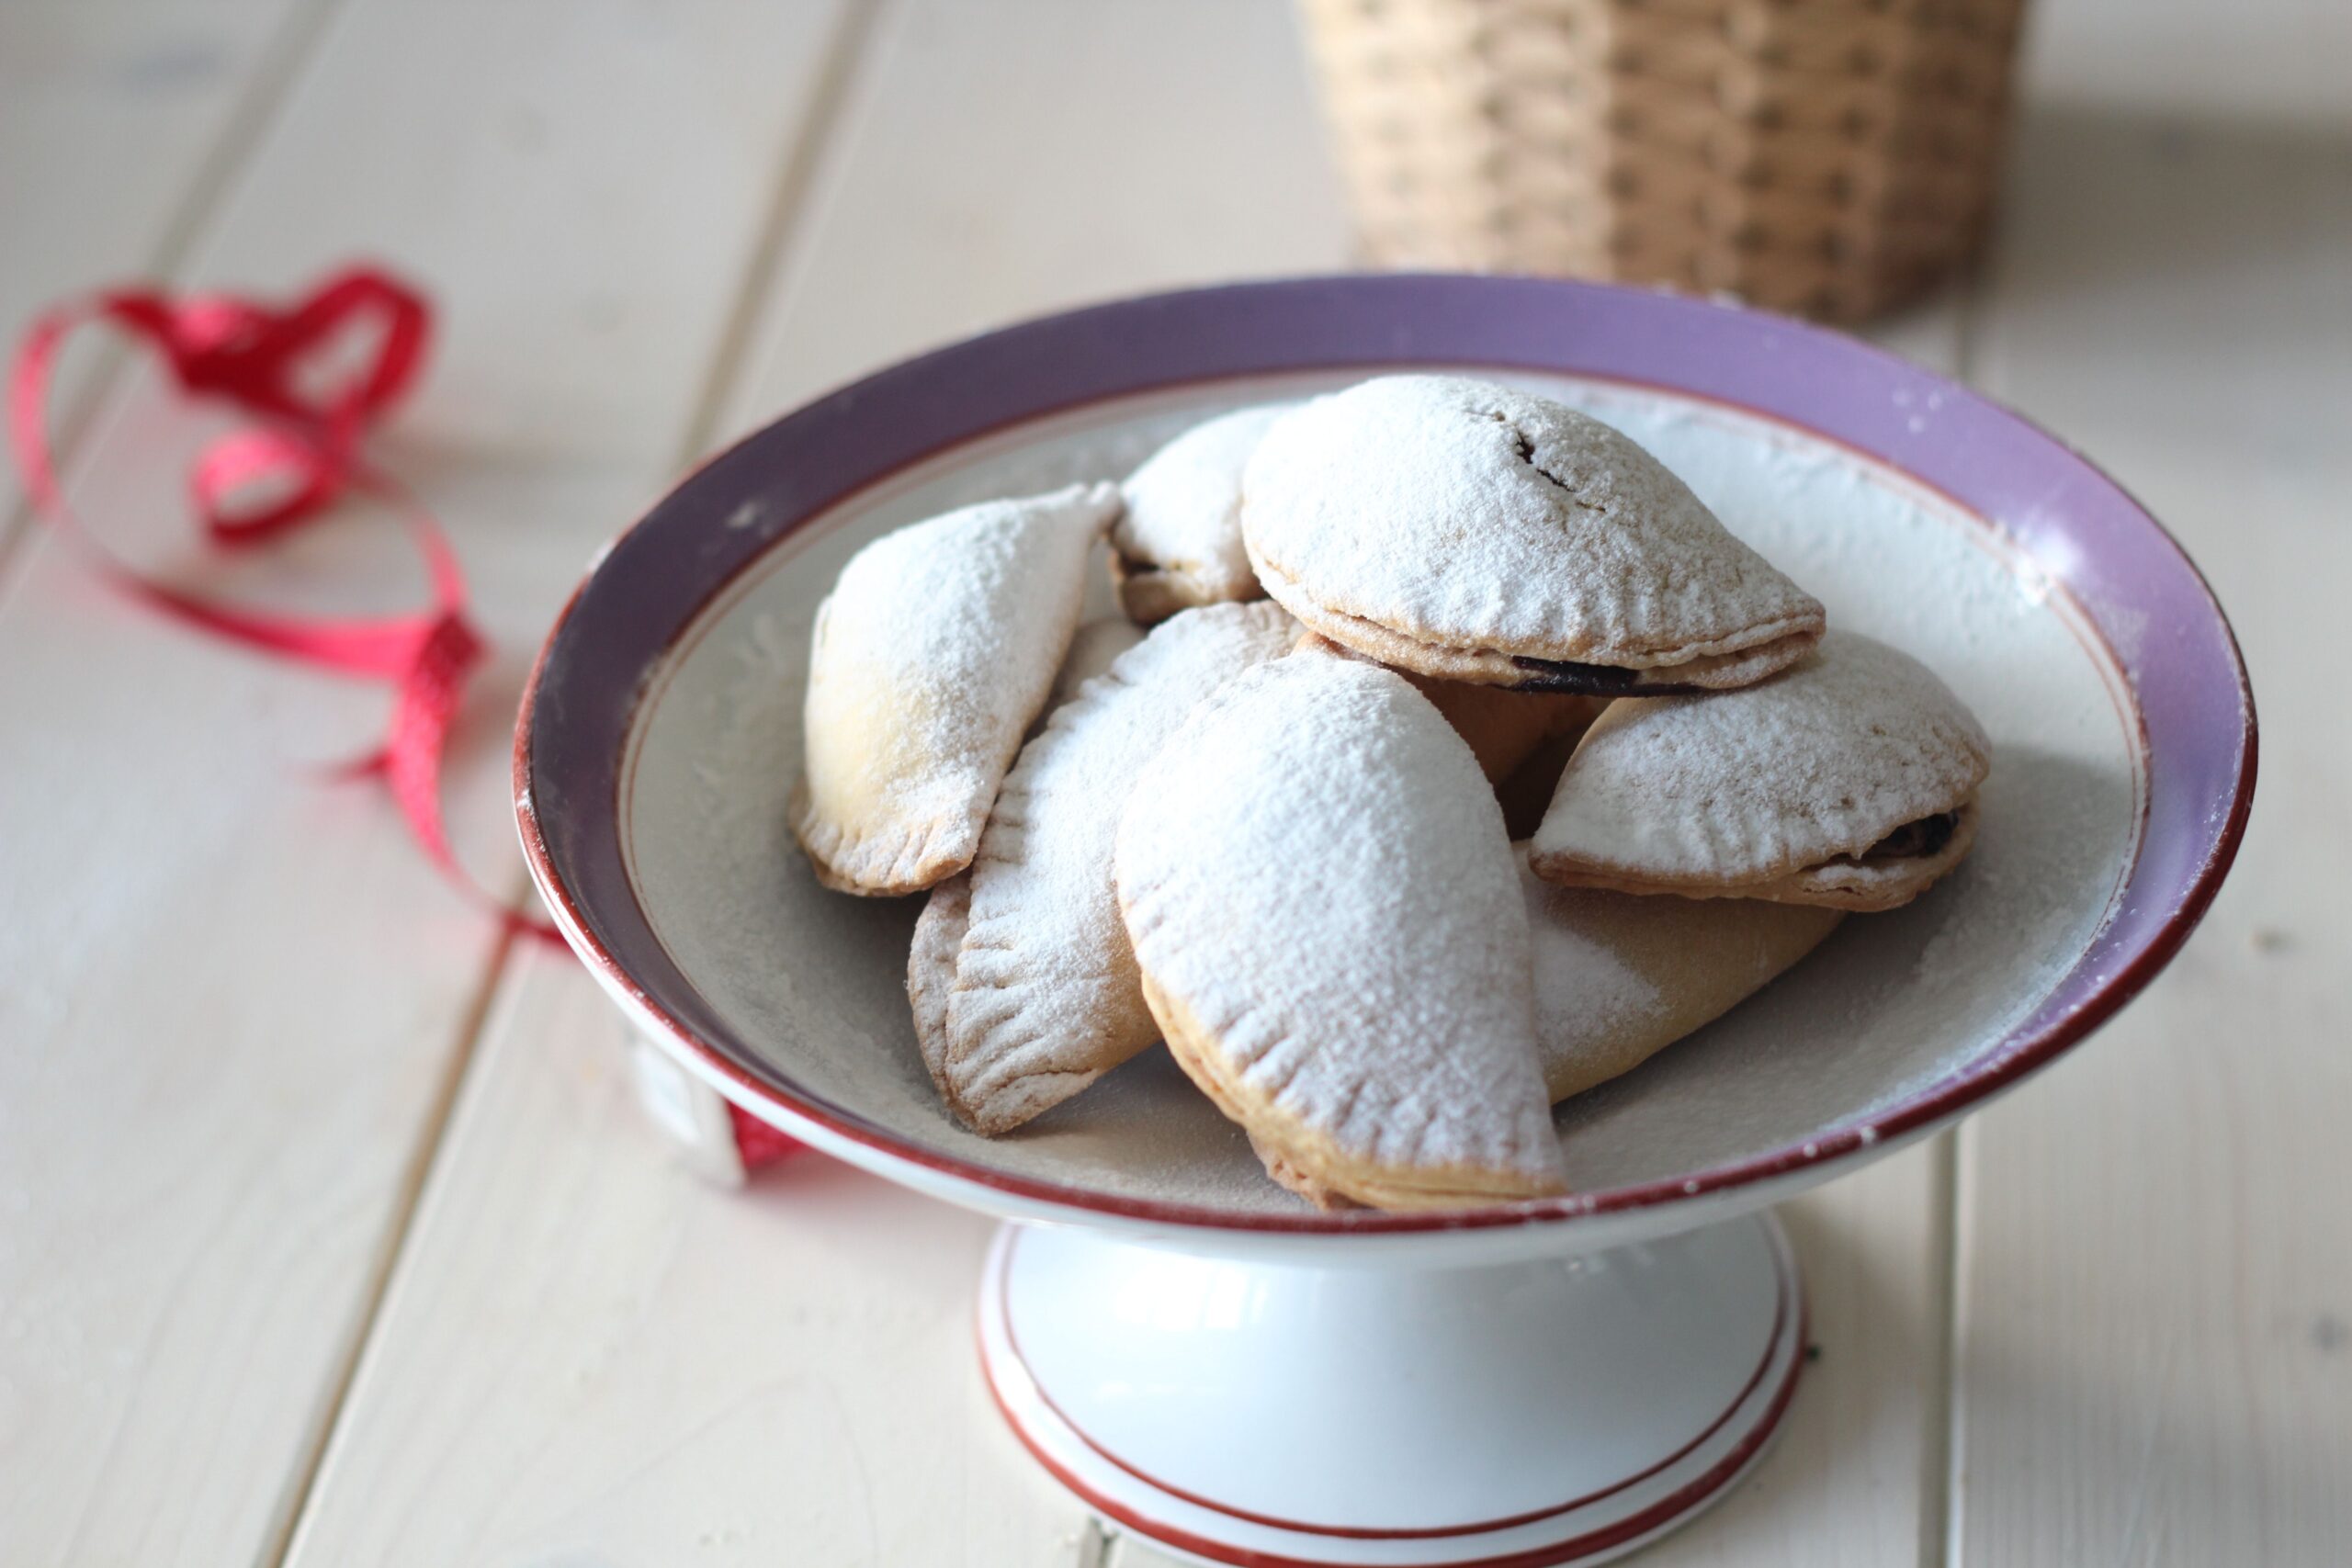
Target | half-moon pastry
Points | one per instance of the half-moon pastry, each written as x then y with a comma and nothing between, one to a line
1328,922
928,658
1179,542
1850,781
1470,532
1046,998
1620,976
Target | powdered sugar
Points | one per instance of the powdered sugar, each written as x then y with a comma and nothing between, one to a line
1045,995
1472,517
1621,976
1316,871
1739,787
1587,993
928,660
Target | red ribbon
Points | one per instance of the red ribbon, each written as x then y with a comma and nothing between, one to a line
295,458
298,455
757,1144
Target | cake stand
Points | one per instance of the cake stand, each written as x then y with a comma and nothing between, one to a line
1183,1346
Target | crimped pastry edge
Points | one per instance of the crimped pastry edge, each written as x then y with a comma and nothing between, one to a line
1310,1156
930,973
888,864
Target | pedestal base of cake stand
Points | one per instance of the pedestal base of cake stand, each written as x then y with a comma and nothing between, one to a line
1272,1415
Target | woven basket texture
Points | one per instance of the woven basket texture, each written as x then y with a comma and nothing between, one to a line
1831,158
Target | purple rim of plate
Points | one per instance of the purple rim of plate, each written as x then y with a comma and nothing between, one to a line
2130,581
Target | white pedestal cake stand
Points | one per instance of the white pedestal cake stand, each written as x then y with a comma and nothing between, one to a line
1199,1358
1499,1397
1562,1409
1443,1398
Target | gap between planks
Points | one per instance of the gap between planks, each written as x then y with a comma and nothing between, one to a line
762,279
339,1376
843,49
1940,1441
290,51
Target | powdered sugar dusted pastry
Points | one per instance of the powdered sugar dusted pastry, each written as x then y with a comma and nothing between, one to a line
1328,919
1179,542
930,657
1850,781
1467,530
1503,726
1046,998
939,930
1620,976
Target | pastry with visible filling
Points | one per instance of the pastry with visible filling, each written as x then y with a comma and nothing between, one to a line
929,660
1849,782
1179,542
1503,726
1328,919
1042,996
1468,531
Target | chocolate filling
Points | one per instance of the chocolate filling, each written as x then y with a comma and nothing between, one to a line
1591,680
1913,840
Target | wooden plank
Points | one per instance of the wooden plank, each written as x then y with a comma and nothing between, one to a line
587,1348
1011,159
1843,1485
112,119
2154,1363
119,125
789,1373
234,997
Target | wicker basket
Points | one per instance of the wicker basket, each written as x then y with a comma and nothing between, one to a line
1831,157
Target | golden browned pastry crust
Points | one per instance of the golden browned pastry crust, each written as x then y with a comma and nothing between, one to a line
1310,1162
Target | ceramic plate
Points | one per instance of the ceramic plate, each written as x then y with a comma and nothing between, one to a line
660,735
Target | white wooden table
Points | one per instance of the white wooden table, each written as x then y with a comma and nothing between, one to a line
329,1234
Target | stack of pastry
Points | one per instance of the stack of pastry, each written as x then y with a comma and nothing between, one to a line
1467,760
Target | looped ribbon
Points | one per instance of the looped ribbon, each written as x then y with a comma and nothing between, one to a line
311,381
